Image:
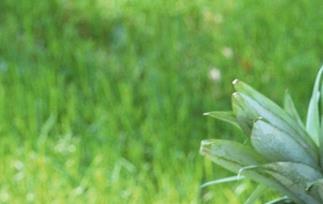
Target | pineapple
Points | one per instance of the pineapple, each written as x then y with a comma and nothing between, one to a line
282,152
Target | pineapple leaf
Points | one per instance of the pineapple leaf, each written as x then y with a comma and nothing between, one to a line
226,116
290,108
313,115
276,145
252,100
222,180
314,183
282,200
321,139
316,187
230,155
244,114
288,177
279,136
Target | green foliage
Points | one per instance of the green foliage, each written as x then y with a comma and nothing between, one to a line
289,159
101,100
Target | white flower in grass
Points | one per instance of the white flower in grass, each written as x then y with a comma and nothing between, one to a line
215,74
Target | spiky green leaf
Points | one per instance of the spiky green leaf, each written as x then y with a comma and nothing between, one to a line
222,180
290,108
289,178
277,145
230,155
316,187
226,116
244,114
252,100
282,200
313,115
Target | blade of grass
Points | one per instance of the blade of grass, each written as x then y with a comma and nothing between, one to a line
255,194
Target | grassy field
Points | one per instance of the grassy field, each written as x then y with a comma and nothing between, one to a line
102,101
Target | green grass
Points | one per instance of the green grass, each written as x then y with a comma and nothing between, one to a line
102,101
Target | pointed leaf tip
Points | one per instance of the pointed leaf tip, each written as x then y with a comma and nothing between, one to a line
226,116
234,82
290,108
313,113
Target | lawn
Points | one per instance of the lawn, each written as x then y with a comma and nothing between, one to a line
102,101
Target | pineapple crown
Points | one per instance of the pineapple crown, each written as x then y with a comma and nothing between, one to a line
282,153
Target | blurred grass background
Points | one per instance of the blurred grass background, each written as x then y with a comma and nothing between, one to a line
102,101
